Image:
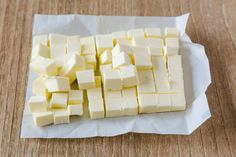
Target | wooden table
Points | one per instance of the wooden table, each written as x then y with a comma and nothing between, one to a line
212,23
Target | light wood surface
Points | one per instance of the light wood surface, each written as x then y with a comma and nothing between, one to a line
212,23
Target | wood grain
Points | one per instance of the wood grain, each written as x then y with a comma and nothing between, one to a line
212,23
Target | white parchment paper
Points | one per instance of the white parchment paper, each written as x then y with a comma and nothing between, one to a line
196,76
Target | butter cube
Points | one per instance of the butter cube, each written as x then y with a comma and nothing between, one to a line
44,66
146,82
122,48
155,42
176,86
140,50
89,67
130,106
74,63
105,58
164,103
61,117
119,35
172,46
120,59
96,108
57,51
124,42
57,39
102,68
91,59
57,84
42,118
175,68
140,41
114,107
75,109
57,44
104,42
135,33
161,81
40,39
142,61
155,51
153,32
94,93
73,44
112,94
40,50
85,79
112,80
178,102
89,40
75,97
58,100
171,32
37,104
159,63
59,61
129,92
129,75
98,81
39,87
88,45
147,103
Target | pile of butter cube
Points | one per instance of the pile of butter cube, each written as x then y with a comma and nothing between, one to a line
124,73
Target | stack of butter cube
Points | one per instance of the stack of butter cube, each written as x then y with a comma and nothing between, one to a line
119,74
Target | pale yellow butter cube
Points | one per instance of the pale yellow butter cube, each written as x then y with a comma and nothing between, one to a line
112,94
175,67
130,106
40,39
114,107
104,42
96,108
129,92
112,79
105,58
159,63
73,44
58,84
88,45
140,41
140,50
119,35
61,117
91,59
40,50
74,63
155,51
57,51
142,61
124,42
94,93
75,109
44,66
164,103
98,81
155,42
171,32
37,104
171,46
122,48
153,32
58,100
129,75
146,82
85,79
135,33
147,103
120,59
59,61
43,118
176,86
161,81
178,102
75,97
89,40
39,87
57,39
102,68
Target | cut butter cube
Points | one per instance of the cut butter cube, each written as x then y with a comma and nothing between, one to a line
85,79
130,106
37,104
87,45
112,79
94,93
40,50
176,86
114,107
57,39
73,44
119,35
175,66
96,108
58,50
120,59
124,42
44,66
75,109
129,75
105,58
104,42
43,118
142,61
159,63
89,40
40,39
61,117
98,81
91,59
39,87
156,42
178,102
147,103
140,50
102,68
58,84
58,100
74,63
75,97
112,94
155,51
171,46
164,103
129,92
161,81
135,33
122,48
140,41
171,32
153,32
146,82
